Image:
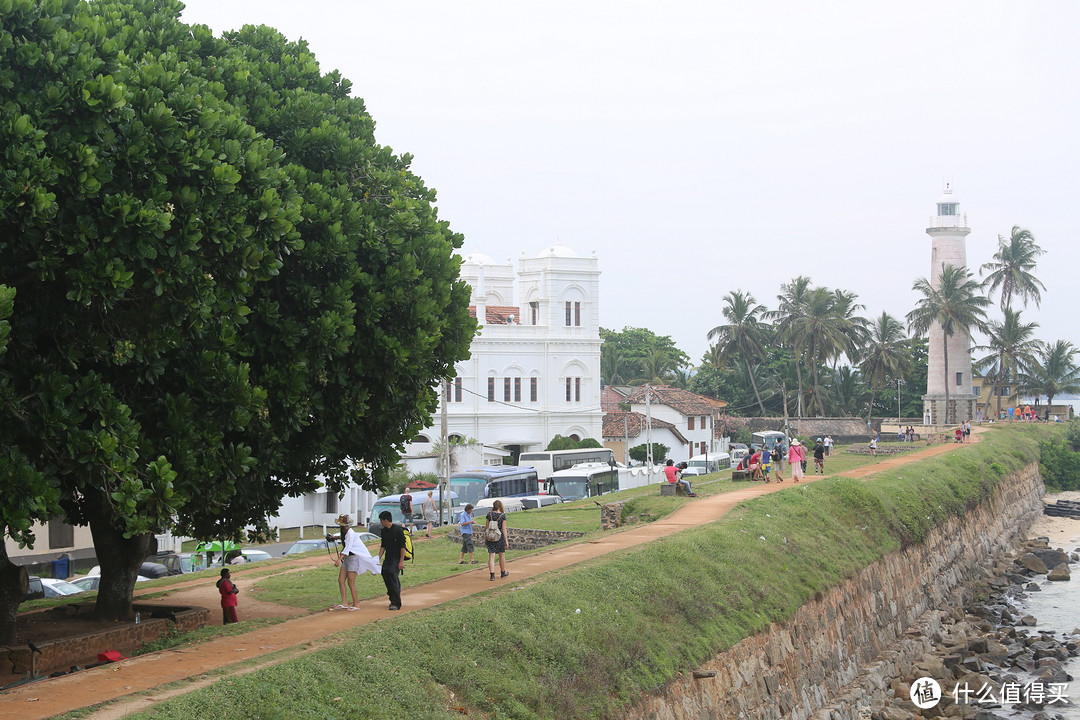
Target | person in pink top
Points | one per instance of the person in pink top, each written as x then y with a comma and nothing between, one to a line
796,457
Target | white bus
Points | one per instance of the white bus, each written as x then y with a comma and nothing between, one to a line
547,462
583,480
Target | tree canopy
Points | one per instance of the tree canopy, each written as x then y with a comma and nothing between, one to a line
225,291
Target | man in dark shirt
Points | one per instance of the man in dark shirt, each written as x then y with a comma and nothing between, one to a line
392,557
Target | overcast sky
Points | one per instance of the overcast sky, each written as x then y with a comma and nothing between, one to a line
704,147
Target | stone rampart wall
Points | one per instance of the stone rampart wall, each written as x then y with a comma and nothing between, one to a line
841,651
520,538
82,650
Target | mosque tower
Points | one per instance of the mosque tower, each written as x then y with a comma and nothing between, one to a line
949,231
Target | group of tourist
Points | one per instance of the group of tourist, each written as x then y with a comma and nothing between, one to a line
963,431
905,434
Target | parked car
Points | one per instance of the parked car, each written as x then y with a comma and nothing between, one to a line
148,569
694,471
253,555
36,589
182,563
303,546
91,582
58,588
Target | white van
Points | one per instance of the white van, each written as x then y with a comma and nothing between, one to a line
710,463
393,504
483,507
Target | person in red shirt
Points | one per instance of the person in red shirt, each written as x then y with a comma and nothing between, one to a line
228,592
673,477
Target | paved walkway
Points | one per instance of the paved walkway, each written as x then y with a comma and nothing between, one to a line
108,682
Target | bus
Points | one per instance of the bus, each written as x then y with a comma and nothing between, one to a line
769,439
583,480
493,481
551,461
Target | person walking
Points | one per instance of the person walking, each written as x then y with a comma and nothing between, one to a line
405,503
465,520
766,462
819,457
428,509
496,519
796,458
828,445
352,556
392,557
873,447
228,592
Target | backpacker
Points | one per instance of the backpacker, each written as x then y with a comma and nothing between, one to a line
405,503
408,543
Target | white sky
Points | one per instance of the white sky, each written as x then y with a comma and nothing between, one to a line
703,147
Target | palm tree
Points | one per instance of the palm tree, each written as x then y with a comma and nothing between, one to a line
1013,346
792,299
1011,268
822,334
846,307
1052,372
743,335
611,369
957,305
658,367
886,354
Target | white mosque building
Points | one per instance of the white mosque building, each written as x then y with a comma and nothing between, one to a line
534,370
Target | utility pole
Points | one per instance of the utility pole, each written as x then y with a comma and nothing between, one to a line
446,458
648,428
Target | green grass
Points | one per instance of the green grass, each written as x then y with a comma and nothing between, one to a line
587,640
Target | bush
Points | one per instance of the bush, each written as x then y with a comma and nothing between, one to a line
1060,462
641,452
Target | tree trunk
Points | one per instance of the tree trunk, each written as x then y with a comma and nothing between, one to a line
753,384
14,581
120,559
1001,382
945,347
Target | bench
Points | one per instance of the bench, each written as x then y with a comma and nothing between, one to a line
740,475
672,489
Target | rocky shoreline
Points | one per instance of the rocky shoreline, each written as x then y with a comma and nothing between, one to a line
987,661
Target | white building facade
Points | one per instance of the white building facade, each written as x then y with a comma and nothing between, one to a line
534,370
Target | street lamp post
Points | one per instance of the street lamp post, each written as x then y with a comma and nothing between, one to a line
898,383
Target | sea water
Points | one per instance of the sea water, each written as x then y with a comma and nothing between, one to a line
1057,609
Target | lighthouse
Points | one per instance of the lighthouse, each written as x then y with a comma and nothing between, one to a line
948,232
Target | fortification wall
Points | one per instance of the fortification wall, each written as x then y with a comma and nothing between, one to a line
840,652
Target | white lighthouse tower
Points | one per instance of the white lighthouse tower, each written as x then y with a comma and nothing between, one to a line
948,231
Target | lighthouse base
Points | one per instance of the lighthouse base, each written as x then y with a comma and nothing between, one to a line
961,407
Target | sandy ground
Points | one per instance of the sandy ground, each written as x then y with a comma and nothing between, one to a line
1063,532
307,633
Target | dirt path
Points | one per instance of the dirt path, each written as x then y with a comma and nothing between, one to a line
69,692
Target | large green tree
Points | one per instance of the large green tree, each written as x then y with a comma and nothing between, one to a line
225,287
957,304
635,356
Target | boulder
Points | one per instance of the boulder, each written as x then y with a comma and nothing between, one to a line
1060,573
1051,558
1029,621
1032,562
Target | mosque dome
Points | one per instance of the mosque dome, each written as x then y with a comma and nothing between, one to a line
477,259
557,251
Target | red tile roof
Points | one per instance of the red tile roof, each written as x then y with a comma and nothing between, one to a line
684,401
617,425
499,314
610,399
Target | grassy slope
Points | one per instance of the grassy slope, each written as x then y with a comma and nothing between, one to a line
585,641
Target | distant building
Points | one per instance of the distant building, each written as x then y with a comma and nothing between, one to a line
682,420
